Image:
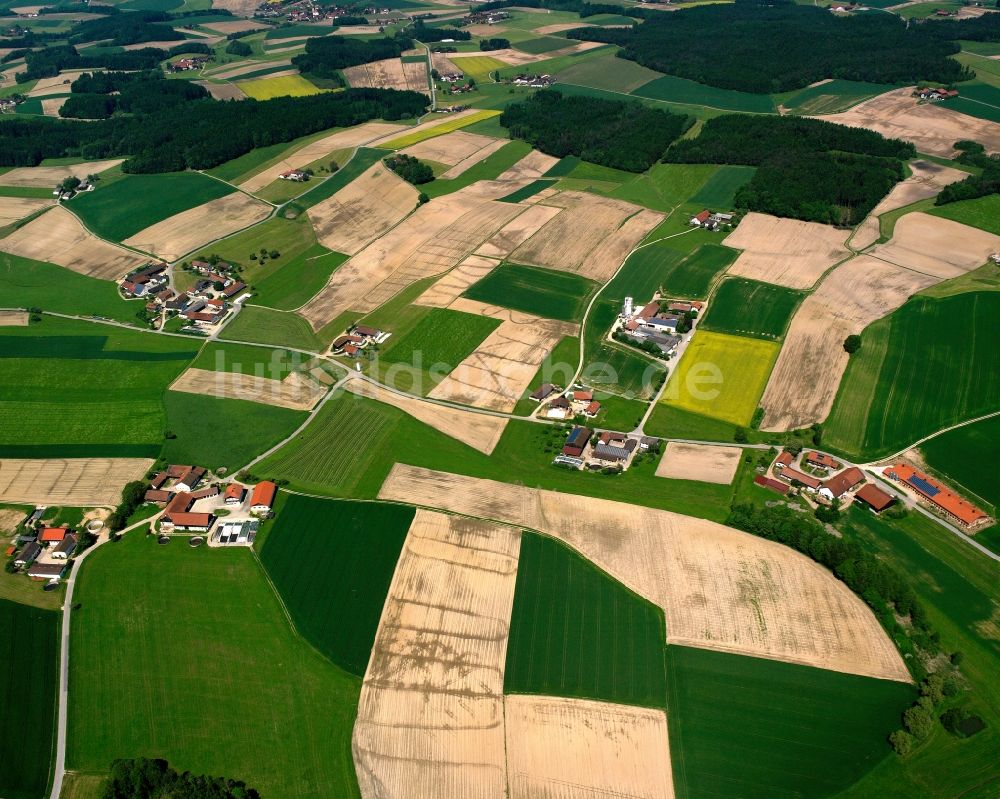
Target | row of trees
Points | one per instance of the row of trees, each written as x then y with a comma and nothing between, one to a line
422,33
987,182
325,55
199,134
148,778
623,135
778,46
496,43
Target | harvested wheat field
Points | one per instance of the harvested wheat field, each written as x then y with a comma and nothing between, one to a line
481,431
349,138
705,462
51,106
531,167
430,717
58,237
391,73
14,208
590,237
495,375
239,8
46,177
296,391
453,284
74,482
932,128
805,378
785,252
451,148
561,748
926,181
10,518
234,26
187,231
937,247
13,318
518,231
58,84
720,588
435,238
363,210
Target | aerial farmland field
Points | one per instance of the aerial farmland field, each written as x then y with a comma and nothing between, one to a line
281,86
751,308
543,292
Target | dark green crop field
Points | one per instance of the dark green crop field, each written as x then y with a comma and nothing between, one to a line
966,456
336,594
931,364
543,292
576,631
29,650
719,192
751,308
689,92
749,727
441,337
122,208
693,275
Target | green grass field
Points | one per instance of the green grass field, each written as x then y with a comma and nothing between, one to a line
940,366
479,67
29,646
719,191
246,166
489,168
273,363
576,631
440,337
680,90
983,212
749,727
721,376
543,292
83,388
830,98
669,421
751,308
335,596
964,456
35,284
121,208
266,326
298,279
608,72
240,430
665,186
541,44
186,654
363,158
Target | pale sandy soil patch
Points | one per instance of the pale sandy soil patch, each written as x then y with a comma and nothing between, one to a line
59,84
13,318
73,482
223,91
926,181
14,208
705,462
245,68
473,159
486,31
358,30
451,148
787,252
937,247
363,210
58,237
531,167
430,716
233,26
444,65
479,430
184,232
51,106
720,588
48,176
518,231
812,360
453,284
516,58
561,748
559,27
296,391
296,44
495,375
391,73
240,8
435,238
305,155
933,128
590,237
10,518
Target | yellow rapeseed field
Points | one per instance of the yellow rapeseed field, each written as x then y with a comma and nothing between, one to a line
283,86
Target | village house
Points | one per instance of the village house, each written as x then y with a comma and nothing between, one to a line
835,487
50,536
295,175
234,494
784,459
807,481
576,442
768,482
189,478
592,409
874,498
932,93
64,548
178,516
28,553
559,408
262,500
937,495
615,453
702,219
157,496
821,460
46,571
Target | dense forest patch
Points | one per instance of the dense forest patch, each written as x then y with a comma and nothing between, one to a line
325,55
101,94
622,135
806,168
782,46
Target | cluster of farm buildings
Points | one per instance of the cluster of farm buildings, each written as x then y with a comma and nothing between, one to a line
710,220
938,496
357,338
204,306
658,322
931,93
40,551
600,450
569,405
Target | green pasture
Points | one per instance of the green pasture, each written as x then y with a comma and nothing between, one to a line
29,650
831,97
982,212
140,688
689,92
335,596
695,109
679,274
987,69
293,239
663,187
940,366
719,192
441,337
83,388
122,207
260,325
530,190
25,283
249,164
671,421
965,457
576,631
977,99
750,727
543,292
558,368
541,44
240,430
608,72
273,363
925,10
751,308
298,279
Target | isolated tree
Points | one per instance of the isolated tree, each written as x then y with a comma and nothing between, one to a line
70,183
902,742
918,722
852,344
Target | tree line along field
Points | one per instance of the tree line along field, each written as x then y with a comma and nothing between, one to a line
122,206
97,389
940,366
743,726
542,292
751,308
576,631
29,650
335,596
139,688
